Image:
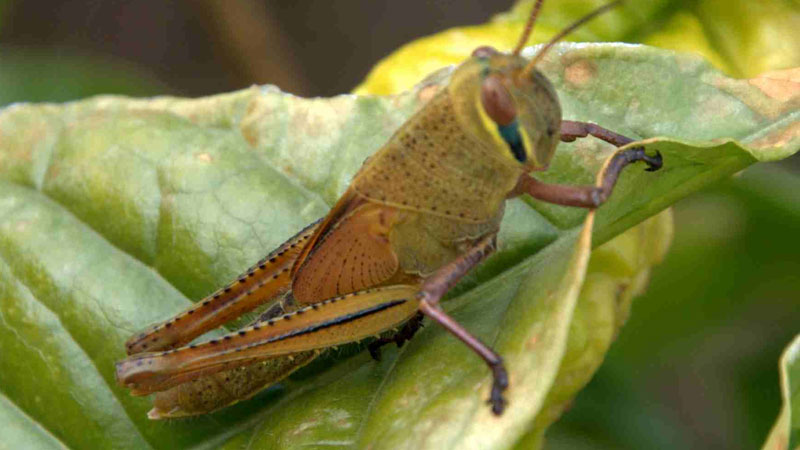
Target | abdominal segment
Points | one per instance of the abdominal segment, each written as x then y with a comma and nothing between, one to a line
210,393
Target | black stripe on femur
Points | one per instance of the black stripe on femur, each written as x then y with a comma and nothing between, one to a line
334,322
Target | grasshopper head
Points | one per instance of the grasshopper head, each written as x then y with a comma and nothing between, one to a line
516,113
509,104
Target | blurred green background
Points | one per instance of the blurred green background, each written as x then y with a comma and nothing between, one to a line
696,365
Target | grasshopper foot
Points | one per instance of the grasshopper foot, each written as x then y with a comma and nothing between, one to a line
653,162
635,154
499,384
375,348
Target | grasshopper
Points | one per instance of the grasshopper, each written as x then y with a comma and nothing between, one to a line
419,214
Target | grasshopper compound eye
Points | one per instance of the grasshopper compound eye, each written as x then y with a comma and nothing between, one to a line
499,106
497,101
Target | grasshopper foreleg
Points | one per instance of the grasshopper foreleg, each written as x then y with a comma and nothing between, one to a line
432,291
571,130
588,196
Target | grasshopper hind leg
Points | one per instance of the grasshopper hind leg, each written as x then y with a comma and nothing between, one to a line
200,378
262,283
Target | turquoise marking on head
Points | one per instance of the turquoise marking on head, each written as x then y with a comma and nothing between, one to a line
510,134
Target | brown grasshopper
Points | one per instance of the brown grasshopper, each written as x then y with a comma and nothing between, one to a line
419,214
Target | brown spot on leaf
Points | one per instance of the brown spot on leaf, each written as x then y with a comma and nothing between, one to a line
205,157
54,171
780,138
762,94
580,72
22,225
782,85
531,344
250,135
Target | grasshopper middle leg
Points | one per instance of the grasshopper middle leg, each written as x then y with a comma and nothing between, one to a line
403,335
437,285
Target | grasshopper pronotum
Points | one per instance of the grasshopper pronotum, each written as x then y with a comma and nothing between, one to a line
419,214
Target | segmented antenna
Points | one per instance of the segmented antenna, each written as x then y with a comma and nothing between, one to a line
526,33
526,72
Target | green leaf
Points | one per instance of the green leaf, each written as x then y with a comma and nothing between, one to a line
785,433
115,212
618,271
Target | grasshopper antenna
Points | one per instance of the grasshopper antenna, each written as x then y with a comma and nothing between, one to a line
527,70
526,33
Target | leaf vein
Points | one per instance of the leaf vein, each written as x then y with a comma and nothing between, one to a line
77,343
